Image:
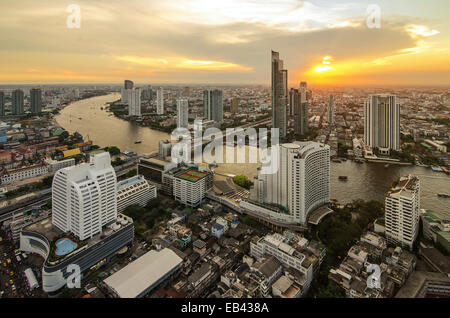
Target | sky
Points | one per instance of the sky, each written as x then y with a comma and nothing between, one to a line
322,42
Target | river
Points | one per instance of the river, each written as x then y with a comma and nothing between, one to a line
366,181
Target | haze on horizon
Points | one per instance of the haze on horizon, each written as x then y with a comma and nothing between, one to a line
323,42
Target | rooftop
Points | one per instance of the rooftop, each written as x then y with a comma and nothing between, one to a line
135,278
191,174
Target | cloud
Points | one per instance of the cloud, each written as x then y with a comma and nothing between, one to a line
204,41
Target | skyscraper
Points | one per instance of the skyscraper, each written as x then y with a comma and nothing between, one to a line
300,109
36,100
84,197
160,101
382,122
147,93
213,105
234,105
331,110
402,211
134,102
17,102
279,94
128,84
301,184
182,112
2,103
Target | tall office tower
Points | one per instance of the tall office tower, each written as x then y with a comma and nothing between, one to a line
186,92
134,102
2,103
302,182
402,211
147,93
84,197
279,94
160,101
331,110
213,105
128,84
300,109
234,105
17,102
36,100
182,112
382,122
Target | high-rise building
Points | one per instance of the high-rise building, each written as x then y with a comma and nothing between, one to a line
164,149
36,100
2,103
382,122
182,112
160,101
300,185
213,105
279,94
84,197
147,93
128,84
186,92
402,211
331,110
134,102
234,105
17,102
300,110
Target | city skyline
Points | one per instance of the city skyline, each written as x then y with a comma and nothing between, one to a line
324,43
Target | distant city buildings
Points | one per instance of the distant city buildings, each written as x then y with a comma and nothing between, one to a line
279,94
300,185
84,197
134,102
382,122
182,112
213,105
402,211
2,103
17,102
35,100
147,93
160,101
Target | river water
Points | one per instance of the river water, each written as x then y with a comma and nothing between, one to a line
365,181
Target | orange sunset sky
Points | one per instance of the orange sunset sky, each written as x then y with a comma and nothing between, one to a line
225,41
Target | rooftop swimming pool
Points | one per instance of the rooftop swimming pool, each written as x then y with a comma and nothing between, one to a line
64,246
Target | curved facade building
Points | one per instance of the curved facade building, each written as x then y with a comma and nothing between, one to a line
40,238
301,184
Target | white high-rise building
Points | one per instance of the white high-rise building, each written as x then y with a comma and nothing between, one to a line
402,211
182,112
279,94
301,184
382,122
84,197
134,102
160,101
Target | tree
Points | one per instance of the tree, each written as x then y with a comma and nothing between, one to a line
242,181
113,150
